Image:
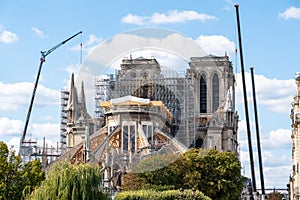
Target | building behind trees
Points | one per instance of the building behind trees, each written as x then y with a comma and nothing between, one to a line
142,101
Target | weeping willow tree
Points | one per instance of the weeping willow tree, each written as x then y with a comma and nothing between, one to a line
66,181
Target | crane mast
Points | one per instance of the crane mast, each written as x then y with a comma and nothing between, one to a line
44,54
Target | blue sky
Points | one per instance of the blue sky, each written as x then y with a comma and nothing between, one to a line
270,36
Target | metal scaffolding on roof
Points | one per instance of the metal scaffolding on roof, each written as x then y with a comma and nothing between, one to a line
175,91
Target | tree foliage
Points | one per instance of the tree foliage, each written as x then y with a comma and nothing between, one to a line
217,174
152,172
14,177
66,181
32,174
275,196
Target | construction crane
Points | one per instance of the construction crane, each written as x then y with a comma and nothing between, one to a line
24,149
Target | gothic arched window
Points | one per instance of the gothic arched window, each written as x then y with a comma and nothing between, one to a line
128,137
215,89
203,94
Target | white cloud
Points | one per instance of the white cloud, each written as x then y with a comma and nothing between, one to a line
179,17
276,177
92,41
12,96
228,5
88,45
276,167
216,44
8,37
9,126
276,159
123,44
71,69
135,19
86,48
278,139
291,13
158,40
273,93
276,154
47,130
244,158
15,127
171,17
38,32
13,143
170,62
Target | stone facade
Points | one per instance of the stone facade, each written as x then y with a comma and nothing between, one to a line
295,117
202,101
215,102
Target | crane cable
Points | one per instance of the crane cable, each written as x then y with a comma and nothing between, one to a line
81,49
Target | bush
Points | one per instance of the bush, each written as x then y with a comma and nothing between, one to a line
161,195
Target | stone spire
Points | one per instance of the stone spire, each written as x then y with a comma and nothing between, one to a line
72,101
82,99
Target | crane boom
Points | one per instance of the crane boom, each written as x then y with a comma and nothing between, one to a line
46,53
42,60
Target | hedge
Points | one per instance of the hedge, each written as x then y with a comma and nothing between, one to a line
161,195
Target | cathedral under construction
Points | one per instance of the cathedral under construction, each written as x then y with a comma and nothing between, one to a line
141,110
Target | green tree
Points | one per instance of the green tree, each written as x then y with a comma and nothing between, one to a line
66,181
10,179
155,171
4,153
152,172
216,174
32,175
14,177
274,196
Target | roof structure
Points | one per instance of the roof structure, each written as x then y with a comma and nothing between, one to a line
136,101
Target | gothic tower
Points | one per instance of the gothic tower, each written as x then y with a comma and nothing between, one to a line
214,78
215,102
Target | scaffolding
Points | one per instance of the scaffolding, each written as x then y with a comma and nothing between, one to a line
45,154
144,78
30,149
64,118
216,127
102,93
